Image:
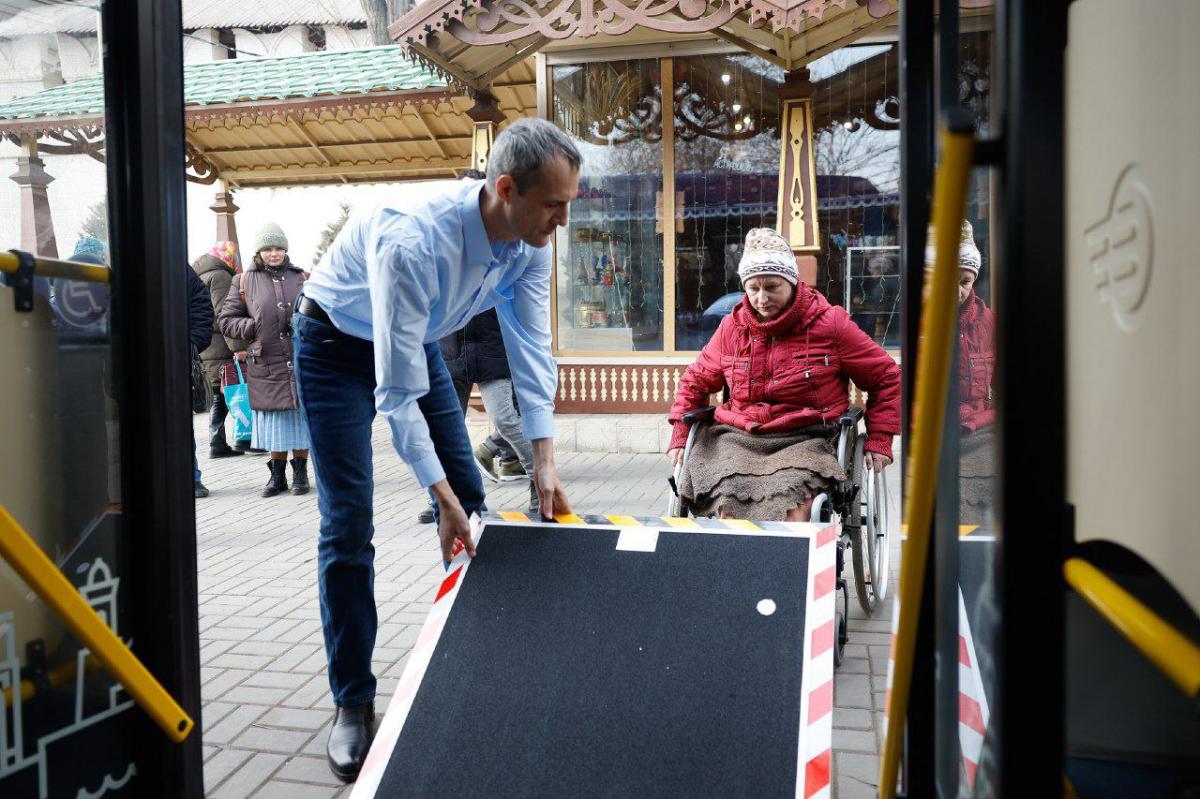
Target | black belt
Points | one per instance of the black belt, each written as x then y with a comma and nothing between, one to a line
313,311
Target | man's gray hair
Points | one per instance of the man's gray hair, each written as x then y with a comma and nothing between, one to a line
524,147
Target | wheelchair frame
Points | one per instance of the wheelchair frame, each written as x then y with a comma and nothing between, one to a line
860,502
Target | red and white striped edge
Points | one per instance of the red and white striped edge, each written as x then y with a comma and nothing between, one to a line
414,671
815,757
820,631
973,713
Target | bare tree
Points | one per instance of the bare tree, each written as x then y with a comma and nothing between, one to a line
380,14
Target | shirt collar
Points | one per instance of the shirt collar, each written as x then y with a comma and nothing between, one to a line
479,249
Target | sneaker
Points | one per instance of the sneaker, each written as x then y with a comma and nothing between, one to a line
200,490
425,516
511,470
485,459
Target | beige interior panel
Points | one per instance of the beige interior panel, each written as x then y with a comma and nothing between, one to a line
1133,280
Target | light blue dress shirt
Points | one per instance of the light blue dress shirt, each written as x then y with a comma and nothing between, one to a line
407,274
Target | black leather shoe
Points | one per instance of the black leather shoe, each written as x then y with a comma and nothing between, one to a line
350,739
225,451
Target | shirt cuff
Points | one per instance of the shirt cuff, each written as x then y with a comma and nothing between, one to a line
537,424
428,470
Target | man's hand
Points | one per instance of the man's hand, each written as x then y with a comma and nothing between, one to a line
453,524
240,356
552,497
675,455
877,462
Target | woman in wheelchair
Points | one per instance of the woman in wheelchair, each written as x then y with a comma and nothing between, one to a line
786,356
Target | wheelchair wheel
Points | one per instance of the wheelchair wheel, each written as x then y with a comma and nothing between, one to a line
877,533
861,537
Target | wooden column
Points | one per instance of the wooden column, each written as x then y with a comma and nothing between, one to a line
37,227
798,174
486,116
224,208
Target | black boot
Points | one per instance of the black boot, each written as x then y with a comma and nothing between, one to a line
349,740
299,476
278,482
242,445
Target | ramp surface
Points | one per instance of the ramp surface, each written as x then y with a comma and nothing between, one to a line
618,661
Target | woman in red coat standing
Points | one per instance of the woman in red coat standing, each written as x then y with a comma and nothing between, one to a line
786,356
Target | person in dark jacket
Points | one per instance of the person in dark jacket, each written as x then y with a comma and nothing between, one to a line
200,325
216,269
475,355
258,310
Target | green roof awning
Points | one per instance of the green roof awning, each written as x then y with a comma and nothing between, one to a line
341,72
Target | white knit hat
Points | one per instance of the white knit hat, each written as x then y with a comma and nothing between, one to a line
767,253
270,235
968,253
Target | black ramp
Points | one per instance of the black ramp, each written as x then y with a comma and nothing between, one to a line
569,668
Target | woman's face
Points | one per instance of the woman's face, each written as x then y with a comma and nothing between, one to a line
966,282
769,295
273,256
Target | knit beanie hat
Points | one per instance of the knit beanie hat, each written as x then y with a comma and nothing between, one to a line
89,250
226,251
968,254
269,235
767,253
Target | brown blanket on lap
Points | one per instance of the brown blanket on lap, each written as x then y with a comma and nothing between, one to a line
757,476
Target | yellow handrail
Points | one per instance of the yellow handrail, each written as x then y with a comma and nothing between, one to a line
934,355
24,555
53,267
1175,655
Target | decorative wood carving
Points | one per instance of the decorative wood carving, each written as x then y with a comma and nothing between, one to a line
198,168
797,179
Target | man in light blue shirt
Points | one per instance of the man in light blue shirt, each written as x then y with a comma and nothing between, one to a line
395,281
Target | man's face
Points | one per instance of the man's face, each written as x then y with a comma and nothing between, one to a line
535,214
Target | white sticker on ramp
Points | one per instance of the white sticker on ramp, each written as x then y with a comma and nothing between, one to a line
637,539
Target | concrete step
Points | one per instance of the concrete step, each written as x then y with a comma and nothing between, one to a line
595,432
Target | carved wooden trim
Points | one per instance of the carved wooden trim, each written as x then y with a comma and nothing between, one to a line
797,178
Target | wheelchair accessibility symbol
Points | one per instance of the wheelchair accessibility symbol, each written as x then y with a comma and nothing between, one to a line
79,304
1121,248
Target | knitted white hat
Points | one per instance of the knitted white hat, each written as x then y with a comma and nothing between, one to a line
968,254
767,253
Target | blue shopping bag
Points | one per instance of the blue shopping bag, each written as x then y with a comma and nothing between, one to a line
237,397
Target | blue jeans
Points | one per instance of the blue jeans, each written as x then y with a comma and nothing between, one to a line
195,463
335,375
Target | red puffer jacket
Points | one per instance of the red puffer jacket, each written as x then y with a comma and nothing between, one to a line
976,362
792,372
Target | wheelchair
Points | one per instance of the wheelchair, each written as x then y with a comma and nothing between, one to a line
860,502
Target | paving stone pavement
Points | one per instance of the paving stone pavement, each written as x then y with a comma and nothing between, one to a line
266,700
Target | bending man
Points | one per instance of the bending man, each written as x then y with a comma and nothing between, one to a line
393,283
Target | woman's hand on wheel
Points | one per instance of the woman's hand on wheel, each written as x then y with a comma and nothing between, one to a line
676,455
877,462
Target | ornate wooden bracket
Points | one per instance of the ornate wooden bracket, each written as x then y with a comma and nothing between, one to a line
798,175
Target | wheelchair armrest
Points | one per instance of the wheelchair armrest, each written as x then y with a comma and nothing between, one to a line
851,417
699,415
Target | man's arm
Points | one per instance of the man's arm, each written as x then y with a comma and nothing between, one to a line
403,288
525,325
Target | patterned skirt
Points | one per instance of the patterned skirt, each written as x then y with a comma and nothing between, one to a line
279,431
757,476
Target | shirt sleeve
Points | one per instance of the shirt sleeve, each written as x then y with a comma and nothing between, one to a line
525,325
403,289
